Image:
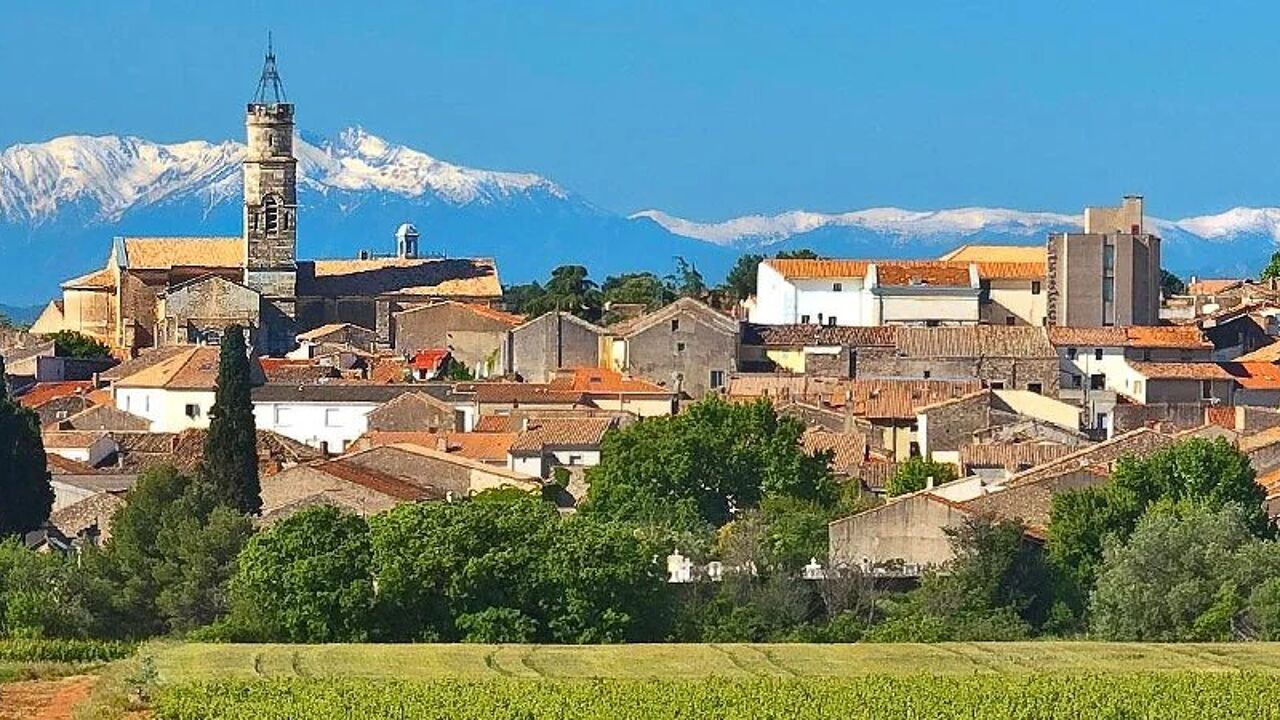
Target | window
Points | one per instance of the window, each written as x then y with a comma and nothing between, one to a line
1097,354
1077,381
62,414
1009,320
1146,356
717,379
984,291
1097,381
819,318
192,410
675,324
1071,353
1035,287
831,321
575,459
284,416
1108,259
332,417
1034,387
837,287
996,385
1206,389
804,319
680,347
1108,290
271,215
928,374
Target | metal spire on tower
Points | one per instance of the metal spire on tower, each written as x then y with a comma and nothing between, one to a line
270,87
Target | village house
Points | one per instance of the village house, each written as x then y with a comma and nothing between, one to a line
545,444
177,392
472,333
611,390
685,346
1011,281
533,351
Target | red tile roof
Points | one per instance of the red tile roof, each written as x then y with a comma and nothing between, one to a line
1254,375
536,393
429,360
1178,337
1180,370
41,393
602,380
562,432
923,272
485,447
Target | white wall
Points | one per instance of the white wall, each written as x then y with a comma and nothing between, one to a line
331,425
1112,365
925,305
780,301
166,409
1016,297
540,466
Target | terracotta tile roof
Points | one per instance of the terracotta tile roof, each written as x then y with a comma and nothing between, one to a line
1221,416
1212,286
815,269
429,360
146,358
1134,442
330,329
76,439
427,277
98,509
41,393
374,480
819,335
895,399
504,392
1013,457
1267,353
163,253
145,442
488,447
492,313
1016,254
562,432
1030,502
427,471
105,417
283,370
603,380
275,451
1180,370
1185,337
387,370
781,387
1012,270
59,465
1254,375
497,424
922,272
849,449
975,341
103,279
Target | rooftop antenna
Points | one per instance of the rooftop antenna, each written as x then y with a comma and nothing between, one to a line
270,85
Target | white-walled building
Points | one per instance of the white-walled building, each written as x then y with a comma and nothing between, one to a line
865,293
177,392
548,443
329,416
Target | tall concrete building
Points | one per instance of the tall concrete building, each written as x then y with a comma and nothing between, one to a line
1107,275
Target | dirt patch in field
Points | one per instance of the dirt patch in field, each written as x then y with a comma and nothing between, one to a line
44,699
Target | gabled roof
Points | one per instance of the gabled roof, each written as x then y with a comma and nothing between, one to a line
898,399
1011,456
59,465
935,273
716,319
562,432
429,360
41,393
1176,337
1212,286
980,253
330,329
486,447
1254,375
819,335
102,279
195,368
425,277
537,393
1180,370
805,269
992,270
145,359
375,480
96,510
485,311
420,401
433,454
848,449
568,317
71,439
105,417
1134,442
1266,353
597,381
164,253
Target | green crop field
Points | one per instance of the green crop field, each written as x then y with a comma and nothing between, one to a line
197,662
1026,681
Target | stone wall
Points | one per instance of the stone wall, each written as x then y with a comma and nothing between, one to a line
1010,373
537,349
472,338
684,356
953,424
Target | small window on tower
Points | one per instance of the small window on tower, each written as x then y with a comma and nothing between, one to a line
271,215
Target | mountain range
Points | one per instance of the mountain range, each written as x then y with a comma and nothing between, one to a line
62,200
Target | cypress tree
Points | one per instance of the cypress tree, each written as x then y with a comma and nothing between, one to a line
26,497
230,465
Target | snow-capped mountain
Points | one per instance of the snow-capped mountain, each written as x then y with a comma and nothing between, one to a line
62,200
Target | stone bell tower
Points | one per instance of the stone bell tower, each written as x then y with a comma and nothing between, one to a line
271,208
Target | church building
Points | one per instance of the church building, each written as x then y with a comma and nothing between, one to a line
185,290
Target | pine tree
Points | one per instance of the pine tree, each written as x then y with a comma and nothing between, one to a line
26,497
230,466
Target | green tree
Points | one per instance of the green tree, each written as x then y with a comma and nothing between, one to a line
569,290
1272,270
686,281
700,465
800,254
519,298
230,465
71,344
171,553
914,475
740,282
1187,572
26,496
643,288
41,594
1171,284
458,372
1197,470
307,579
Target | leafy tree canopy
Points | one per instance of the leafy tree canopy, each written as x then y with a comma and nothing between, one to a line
1272,270
914,474
71,344
26,497
700,465
1171,284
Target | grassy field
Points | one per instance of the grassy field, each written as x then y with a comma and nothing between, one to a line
196,662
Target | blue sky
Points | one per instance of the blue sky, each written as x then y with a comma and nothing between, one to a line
706,109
